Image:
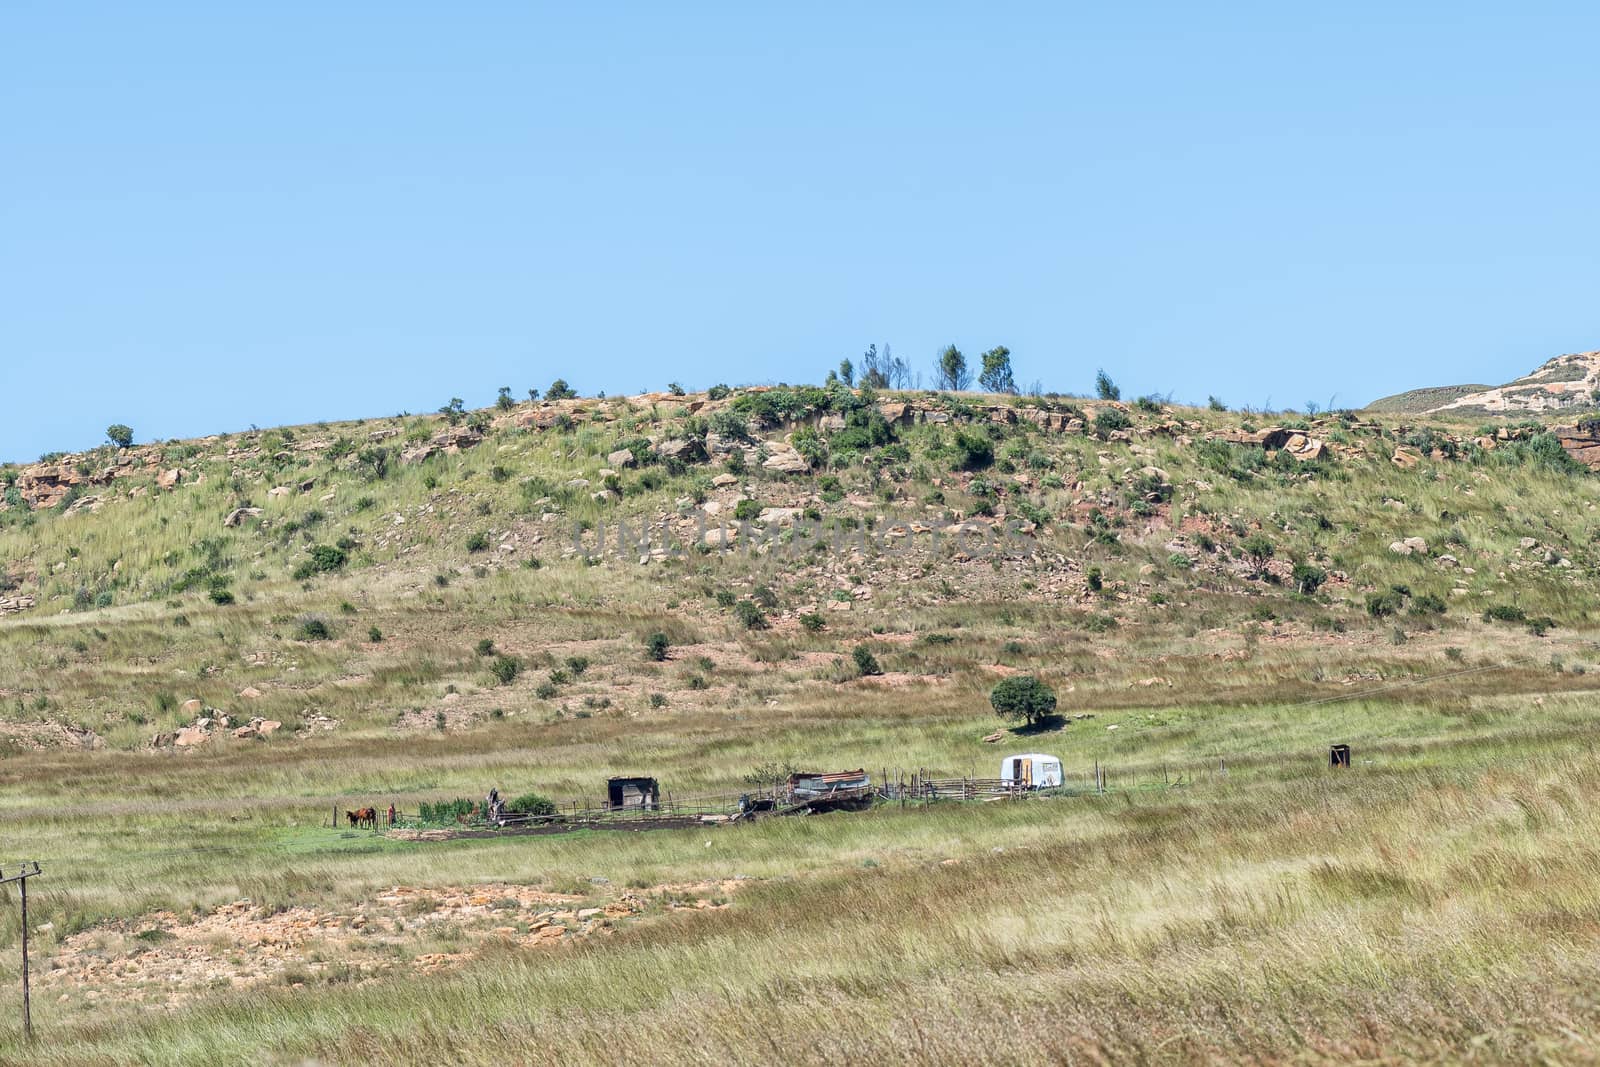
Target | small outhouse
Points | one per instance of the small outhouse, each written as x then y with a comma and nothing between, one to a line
628,791
1031,770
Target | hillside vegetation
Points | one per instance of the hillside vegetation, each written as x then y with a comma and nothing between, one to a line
210,645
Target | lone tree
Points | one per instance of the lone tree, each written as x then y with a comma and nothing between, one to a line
1105,388
950,370
1023,697
560,390
847,372
119,435
504,401
996,375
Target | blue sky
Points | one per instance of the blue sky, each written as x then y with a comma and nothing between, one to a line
212,217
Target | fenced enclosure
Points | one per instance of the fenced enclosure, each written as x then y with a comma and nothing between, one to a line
893,786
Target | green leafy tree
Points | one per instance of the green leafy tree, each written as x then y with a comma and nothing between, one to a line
656,645
1259,548
996,375
452,411
847,372
119,435
1105,388
560,390
950,370
1022,697
866,662
504,401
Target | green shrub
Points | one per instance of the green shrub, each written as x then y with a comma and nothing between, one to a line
477,541
577,664
749,613
813,621
974,450
1381,605
505,669
322,560
445,811
1427,604
374,635
1110,421
532,804
1505,613
313,628
546,691
656,645
746,509
485,647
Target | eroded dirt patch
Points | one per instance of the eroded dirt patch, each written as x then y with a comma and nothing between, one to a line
164,959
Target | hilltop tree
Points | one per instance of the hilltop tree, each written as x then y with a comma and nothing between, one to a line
119,435
452,411
996,376
950,370
533,394
1024,697
560,390
504,401
847,372
1105,388
885,370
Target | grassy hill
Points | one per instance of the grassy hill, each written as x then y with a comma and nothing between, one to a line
425,607
1416,401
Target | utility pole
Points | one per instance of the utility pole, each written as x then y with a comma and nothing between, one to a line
21,877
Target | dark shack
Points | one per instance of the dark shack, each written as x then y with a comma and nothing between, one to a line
628,791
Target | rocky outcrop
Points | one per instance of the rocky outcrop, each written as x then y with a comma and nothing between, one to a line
449,442
1582,442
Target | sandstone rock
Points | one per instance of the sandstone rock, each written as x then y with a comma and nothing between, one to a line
787,461
279,490
1406,458
250,692
1400,548
778,515
684,449
190,736
189,709
266,727
1416,544
167,479
622,457
720,535
238,515
723,481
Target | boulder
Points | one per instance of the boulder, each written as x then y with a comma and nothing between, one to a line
266,727
279,490
167,479
787,461
1405,458
723,481
190,709
778,515
190,736
622,457
684,449
250,692
238,515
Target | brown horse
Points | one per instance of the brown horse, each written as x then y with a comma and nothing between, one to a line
363,817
